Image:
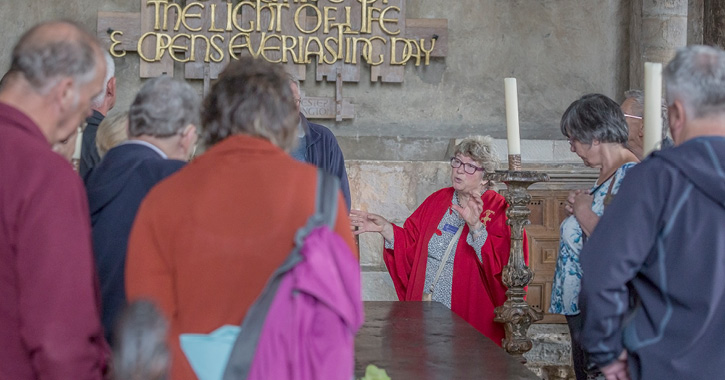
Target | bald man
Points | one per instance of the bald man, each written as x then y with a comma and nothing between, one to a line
633,109
49,314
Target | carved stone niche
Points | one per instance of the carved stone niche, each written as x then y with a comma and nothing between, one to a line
547,213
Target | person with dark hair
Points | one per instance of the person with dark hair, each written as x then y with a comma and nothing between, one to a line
49,314
453,248
633,109
162,134
597,132
318,145
207,239
652,295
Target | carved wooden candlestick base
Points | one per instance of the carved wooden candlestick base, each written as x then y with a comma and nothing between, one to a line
515,313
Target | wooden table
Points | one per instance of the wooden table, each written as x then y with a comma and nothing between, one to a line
426,340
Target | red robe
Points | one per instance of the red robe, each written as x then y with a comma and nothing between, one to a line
477,285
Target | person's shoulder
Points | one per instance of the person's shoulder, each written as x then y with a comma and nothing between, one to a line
54,173
323,131
625,168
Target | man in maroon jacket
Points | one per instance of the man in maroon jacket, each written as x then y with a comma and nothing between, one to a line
49,314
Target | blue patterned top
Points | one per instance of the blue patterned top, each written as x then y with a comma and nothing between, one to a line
567,278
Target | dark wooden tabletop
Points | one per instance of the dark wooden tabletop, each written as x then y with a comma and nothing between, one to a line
426,340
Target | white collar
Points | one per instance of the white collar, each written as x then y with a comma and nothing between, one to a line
147,144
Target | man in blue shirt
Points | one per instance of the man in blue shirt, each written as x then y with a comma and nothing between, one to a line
318,146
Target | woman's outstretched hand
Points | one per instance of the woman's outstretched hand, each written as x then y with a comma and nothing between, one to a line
367,222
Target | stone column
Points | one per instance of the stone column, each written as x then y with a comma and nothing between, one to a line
714,23
658,28
695,20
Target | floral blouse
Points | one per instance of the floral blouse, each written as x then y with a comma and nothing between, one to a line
568,274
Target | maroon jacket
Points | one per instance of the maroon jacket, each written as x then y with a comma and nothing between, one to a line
49,308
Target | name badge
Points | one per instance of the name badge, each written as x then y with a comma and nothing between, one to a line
449,228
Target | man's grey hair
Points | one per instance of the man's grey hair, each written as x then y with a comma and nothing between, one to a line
44,61
696,77
638,109
110,72
163,107
140,350
595,117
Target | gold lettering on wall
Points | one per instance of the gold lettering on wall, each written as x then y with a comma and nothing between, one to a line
256,27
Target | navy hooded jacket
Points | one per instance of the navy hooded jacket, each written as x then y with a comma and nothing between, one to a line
654,269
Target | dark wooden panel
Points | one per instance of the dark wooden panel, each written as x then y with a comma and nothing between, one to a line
547,212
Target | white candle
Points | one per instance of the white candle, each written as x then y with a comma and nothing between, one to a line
79,140
512,116
652,106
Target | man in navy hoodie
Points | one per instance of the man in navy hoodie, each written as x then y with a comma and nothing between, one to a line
162,134
653,285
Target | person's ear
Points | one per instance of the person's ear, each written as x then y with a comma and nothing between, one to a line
65,94
676,116
111,92
188,138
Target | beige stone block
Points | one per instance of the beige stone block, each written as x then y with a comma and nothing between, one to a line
661,8
377,286
371,250
668,33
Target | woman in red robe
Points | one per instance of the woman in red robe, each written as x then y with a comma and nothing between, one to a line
470,281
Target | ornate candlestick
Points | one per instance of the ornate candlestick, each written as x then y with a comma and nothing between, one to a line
515,313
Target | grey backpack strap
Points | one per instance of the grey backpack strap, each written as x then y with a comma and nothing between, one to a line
326,203
242,355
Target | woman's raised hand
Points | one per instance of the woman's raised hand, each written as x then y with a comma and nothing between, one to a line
471,210
367,222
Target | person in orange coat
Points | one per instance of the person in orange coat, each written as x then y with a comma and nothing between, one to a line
207,238
470,281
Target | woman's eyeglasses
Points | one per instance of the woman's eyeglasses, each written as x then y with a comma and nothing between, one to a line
468,168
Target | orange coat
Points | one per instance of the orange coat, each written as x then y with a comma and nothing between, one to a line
206,239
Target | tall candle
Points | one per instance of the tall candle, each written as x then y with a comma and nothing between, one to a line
652,106
512,116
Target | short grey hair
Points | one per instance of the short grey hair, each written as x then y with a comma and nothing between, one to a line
595,117
481,150
638,97
110,72
140,350
252,97
43,59
696,77
163,107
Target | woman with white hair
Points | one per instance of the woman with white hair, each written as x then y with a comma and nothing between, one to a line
453,248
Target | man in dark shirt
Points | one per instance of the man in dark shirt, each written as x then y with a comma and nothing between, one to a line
101,105
318,146
162,124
